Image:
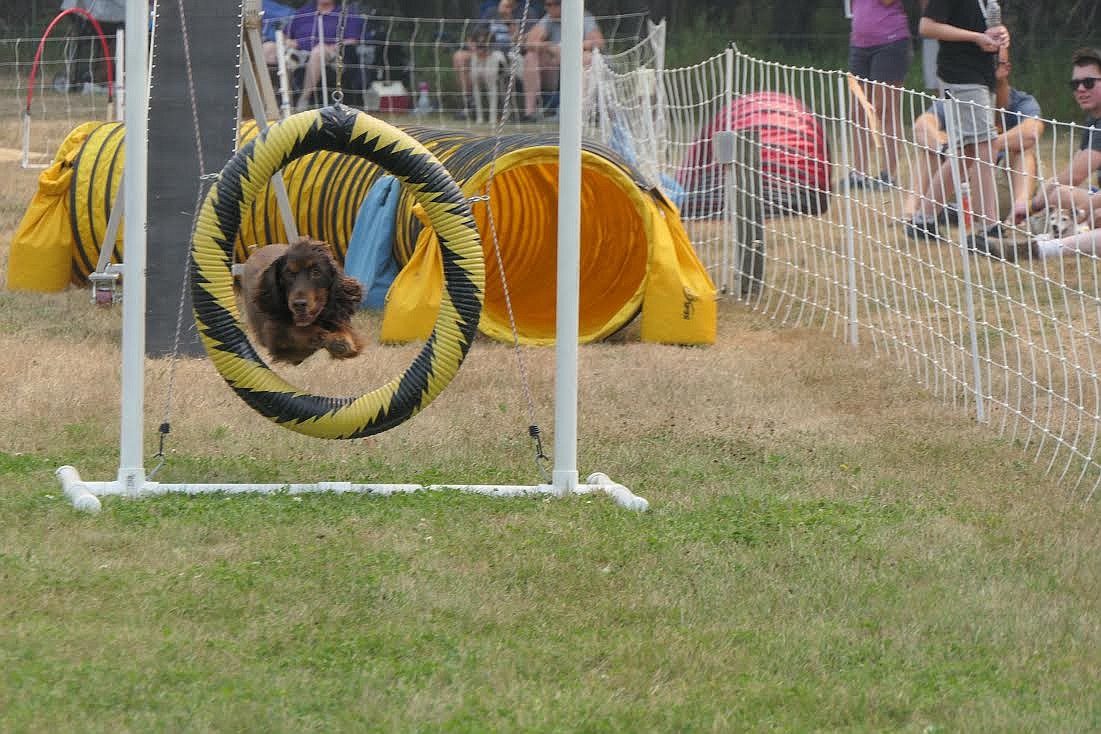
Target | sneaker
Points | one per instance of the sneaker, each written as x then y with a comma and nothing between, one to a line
884,181
920,228
857,181
1045,246
949,215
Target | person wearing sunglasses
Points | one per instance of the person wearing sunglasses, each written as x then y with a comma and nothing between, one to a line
1064,191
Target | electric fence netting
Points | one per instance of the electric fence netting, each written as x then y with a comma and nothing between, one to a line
800,225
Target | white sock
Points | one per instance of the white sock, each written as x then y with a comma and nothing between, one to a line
1045,248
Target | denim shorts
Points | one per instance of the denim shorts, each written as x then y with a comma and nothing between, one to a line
975,109
888,62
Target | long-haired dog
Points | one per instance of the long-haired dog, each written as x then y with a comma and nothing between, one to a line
298,300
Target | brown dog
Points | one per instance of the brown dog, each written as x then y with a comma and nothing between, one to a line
298,300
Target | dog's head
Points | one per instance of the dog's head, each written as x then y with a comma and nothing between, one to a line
1054,222
306,284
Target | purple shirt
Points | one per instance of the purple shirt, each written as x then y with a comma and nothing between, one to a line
875,24
303,26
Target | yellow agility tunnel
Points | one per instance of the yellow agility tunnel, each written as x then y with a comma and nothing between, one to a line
635,255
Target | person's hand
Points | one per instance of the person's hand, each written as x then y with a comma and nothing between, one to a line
1000,34
987,42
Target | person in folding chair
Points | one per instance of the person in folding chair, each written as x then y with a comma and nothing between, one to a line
312,36
543,54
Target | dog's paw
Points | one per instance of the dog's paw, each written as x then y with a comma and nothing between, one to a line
341,347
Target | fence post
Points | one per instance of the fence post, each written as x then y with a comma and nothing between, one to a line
952,120
730,238
845,131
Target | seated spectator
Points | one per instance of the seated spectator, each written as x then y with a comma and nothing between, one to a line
111,16
275,16
320,49
1019,129
1062,191
543,54
499,28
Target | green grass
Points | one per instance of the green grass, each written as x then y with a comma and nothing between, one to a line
908,581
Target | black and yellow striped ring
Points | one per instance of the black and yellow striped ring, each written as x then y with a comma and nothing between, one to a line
342,130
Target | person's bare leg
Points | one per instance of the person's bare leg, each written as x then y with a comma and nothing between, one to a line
926,160
461,62
312,75
531,82
549,70
889,102
1022,176
984,191
862,136
1087,243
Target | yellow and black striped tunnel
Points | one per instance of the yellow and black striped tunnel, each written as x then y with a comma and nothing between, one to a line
342,130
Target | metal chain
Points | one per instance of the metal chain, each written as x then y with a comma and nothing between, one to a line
166,426
338,92
499,129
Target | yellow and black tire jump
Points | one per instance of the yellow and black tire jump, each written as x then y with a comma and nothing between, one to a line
349,131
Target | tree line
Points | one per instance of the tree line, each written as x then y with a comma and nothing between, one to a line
787,22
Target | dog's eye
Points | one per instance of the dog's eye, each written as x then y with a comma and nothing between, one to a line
315,273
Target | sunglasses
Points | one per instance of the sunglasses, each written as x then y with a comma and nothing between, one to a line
1087,82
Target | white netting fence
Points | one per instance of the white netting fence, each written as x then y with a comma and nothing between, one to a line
791,226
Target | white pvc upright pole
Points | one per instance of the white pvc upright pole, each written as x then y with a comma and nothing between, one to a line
569,246
845,128
120,73
135,171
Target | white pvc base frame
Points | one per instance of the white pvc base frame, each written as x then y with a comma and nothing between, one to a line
85,495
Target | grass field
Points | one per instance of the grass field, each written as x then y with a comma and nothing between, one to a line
827,549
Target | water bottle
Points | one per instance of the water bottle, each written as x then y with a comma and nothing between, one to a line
993,13
424,104
965,201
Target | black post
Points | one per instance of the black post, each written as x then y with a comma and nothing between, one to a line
214,35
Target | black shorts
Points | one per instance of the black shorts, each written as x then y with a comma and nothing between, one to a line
888,62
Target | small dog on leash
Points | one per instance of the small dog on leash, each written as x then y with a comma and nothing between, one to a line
485,73
298,300
1055,222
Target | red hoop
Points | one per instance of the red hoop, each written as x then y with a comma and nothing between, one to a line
42,44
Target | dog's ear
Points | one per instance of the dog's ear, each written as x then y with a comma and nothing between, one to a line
270,296
344,297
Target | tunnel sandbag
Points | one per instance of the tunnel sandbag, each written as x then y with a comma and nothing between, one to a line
217,320
680,305
41,250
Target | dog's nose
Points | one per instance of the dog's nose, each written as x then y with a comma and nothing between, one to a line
299,304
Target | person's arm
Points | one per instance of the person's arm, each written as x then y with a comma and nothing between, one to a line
1023,136
1081,166
594,39
990,41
